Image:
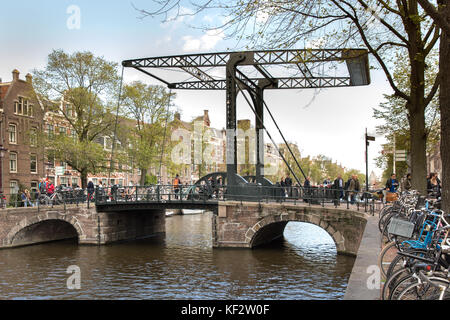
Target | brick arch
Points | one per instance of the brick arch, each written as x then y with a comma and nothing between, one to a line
27,222
335,234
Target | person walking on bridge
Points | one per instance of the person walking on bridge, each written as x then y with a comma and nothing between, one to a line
176,186
338,187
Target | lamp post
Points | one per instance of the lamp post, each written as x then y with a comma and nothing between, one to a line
2,154
368,138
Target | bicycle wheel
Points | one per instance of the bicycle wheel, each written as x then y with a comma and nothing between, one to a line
383,218
435,288
386,256
399,260
393,281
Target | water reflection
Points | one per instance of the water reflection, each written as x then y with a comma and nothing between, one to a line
183,265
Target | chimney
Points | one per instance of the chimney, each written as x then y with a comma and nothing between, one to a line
15,74
29,78
206,118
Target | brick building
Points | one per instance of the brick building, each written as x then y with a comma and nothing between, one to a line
21,117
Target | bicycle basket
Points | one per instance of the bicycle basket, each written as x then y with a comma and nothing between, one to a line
401,228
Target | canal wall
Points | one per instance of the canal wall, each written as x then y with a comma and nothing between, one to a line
26,226
365,279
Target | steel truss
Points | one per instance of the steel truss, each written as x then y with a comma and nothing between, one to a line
235,79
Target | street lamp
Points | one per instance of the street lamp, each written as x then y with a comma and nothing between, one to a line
2,154
368,138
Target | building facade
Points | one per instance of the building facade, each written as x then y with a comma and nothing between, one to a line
24,162
21,118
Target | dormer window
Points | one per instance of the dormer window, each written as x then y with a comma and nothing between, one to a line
23,107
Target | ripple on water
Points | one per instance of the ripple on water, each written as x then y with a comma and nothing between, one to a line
304,265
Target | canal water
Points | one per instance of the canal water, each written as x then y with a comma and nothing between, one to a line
182,265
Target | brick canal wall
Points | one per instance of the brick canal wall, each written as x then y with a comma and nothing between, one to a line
25,226
249,224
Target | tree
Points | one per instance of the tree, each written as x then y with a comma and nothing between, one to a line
441,16
80,87
149,108
395,117
388,30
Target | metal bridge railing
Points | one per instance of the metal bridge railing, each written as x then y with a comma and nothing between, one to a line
212,193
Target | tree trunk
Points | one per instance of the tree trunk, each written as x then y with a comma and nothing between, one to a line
83,177
143,175
418,151
416,105
444,101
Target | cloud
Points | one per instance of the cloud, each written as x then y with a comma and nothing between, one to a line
206,42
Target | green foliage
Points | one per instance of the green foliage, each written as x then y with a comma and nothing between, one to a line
148,133
87,85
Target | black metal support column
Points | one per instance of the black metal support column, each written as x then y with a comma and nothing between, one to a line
231,94
231,121
259,120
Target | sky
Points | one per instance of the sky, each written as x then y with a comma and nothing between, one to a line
331,122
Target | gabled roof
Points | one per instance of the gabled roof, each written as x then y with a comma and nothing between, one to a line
4,87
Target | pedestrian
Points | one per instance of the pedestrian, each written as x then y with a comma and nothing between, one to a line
307,187
352,189
26,198
90,190
50,189
406,183
288,185
176,186
391,187
434,185
338,187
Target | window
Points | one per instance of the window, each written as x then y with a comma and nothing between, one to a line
12,133
62,130
20,106
74,182
63,180
33,163
95,181
107,143
13,162
13,187
33,137
34,187
120,182
34,190
30,110
23,107
50,130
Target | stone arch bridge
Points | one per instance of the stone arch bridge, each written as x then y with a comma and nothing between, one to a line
234,223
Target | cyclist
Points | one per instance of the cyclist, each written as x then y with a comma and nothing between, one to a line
50,189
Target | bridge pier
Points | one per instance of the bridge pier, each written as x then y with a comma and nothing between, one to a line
248,224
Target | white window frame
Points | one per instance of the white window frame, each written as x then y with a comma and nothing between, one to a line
10,133
11,169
